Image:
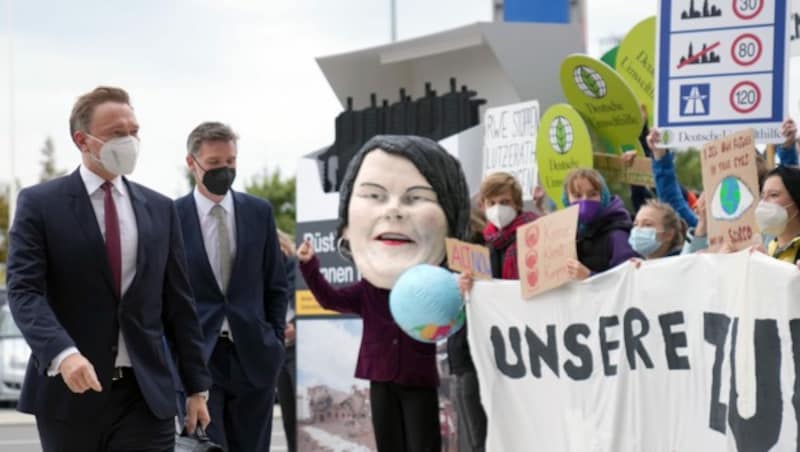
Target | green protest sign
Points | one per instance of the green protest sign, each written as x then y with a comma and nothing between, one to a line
636,62
610,57
562,144
603,98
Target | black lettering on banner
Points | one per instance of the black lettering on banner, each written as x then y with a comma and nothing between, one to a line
538,351
794,327
510,370
760,432
633,344
580,350
715,330
605,345
673,340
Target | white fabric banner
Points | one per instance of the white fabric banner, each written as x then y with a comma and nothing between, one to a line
691,353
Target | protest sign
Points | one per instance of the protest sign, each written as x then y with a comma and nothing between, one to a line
613,169
463,256
563,144
509,143
730,181
543,248
605,100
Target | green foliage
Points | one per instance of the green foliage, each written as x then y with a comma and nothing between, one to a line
48,162
280,193
690,174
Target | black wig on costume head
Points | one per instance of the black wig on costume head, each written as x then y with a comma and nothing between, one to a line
790,176
440,169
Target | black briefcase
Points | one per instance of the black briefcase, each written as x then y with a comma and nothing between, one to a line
196,442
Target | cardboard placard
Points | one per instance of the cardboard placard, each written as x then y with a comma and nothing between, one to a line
509,143
543,248
639,172
463,256
730,180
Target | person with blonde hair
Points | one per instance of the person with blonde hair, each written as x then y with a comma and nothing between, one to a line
657,231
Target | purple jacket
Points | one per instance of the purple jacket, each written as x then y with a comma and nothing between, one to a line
387,354
603,244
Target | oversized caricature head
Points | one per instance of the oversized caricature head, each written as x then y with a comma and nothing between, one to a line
399,199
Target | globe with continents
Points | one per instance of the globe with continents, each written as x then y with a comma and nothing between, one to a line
730,195
426,304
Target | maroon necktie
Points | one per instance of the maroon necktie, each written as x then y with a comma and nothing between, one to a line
113,247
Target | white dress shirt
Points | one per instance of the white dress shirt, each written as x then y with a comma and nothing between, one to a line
129,240
208,224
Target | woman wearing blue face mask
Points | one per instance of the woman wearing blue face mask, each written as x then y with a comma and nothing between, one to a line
657,231
603,224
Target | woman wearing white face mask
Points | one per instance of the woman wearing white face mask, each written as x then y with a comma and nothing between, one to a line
501,200
777,213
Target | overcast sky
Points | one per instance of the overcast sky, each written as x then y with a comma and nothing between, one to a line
249,63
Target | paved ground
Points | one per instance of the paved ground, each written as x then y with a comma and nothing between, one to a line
18,432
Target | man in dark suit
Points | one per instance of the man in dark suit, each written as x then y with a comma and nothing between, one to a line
96,280
239,281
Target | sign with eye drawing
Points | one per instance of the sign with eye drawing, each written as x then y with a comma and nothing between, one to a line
730,180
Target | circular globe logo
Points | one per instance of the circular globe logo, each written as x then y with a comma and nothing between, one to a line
561,135
730,195
589,81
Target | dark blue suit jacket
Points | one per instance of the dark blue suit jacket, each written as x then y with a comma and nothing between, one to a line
255,304
61,295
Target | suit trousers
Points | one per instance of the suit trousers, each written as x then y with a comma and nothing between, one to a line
241,414
287,397
405,418
126,424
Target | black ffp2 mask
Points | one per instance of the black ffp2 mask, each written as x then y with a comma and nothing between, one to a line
218,180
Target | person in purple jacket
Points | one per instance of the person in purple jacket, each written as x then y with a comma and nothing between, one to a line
399,199
603,224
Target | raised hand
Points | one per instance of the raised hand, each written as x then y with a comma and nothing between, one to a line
789,132
653,140
305,252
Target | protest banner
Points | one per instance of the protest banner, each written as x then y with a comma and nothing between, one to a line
695,353
730,181
463,256
563,144
605,100
543,248
509,143
613,169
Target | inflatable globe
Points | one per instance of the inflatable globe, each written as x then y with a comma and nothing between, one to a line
426,303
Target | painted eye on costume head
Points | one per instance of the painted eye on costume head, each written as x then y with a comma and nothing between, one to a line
731,199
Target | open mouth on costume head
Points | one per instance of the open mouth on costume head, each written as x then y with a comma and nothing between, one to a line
393,238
